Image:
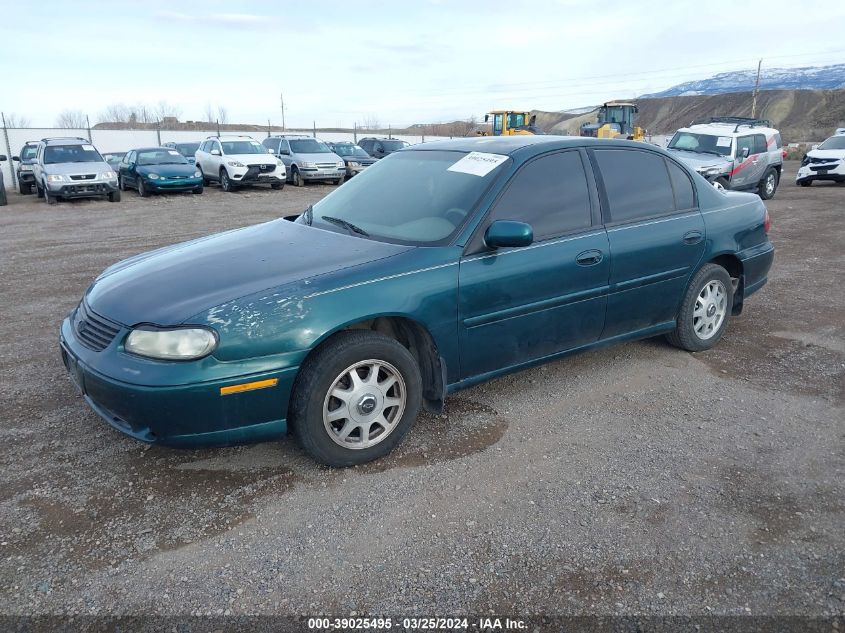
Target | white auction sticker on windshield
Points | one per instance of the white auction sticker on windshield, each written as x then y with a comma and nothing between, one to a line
88,148
478,163
723,141
173,153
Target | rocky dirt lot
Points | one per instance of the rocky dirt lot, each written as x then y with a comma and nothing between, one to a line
633,480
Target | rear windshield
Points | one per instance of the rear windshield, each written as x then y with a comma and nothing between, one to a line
308,146
161,157
54,154
243,147
187,149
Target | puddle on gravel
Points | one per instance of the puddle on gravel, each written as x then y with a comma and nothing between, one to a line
464,428
156,506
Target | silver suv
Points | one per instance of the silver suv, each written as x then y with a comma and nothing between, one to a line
72,168
306,158
732,153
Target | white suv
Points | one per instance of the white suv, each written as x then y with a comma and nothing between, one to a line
238,160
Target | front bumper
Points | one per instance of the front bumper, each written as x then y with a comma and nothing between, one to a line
173,184
183,415
314,173
82,188
832,170
352,171
253,175
26,177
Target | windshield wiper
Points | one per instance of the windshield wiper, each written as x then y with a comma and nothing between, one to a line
309,214
345,224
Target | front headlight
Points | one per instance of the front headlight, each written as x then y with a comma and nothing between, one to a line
309,165
352,163
710,171
108,175
234,163
184,343
281,164
152,176
339,165
55,178
197,174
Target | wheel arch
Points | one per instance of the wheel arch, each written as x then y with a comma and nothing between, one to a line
416,338
733,264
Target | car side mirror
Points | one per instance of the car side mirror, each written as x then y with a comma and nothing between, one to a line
503,233
16,158
2,157
744,152
215,152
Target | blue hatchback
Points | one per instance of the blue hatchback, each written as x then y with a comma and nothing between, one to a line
441,266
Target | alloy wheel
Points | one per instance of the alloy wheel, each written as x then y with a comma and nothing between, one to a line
364,404
711,306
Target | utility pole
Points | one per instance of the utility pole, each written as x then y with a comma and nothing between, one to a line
756,90
282,97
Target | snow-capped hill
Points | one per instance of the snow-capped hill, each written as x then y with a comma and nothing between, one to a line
807,78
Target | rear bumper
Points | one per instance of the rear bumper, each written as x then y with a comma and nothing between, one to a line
756,263
26,177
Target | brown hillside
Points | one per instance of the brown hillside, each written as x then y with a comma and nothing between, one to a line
800,115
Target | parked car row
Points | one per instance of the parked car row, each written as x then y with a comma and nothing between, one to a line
71,167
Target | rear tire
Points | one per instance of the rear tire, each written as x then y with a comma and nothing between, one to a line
378,413
768,184
705,310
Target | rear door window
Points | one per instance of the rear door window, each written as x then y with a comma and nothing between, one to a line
636,184
760,146
550,193
682,185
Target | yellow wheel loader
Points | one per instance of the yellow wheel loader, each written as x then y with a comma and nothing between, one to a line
616,119
510,123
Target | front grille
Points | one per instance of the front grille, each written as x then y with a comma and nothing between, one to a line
83,177
265,167
94,331
326,165
95,188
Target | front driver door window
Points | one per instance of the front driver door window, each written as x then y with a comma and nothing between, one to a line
519,304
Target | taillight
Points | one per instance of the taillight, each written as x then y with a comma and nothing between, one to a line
767,222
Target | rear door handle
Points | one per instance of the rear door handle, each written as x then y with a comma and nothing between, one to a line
589,258
692,237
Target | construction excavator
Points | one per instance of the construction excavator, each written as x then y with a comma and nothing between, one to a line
511,123
616,119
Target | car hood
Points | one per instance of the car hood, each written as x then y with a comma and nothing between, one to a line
167,171
169,285
251,159
827,153
68,169
696,160
321,157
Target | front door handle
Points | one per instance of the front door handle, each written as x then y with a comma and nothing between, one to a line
693,237
589,258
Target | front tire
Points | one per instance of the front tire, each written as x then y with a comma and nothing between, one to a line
355,398
226,182
114,196
705,310
197,190
769,184
296,178
805,183
39,192
722,182
142,188
24,188
278,186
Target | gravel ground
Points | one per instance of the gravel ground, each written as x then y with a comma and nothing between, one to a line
637,479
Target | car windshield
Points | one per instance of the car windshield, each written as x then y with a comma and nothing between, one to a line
308,146
114,157
28,152
407,198
187,149
701,143
243,147
393,145
344,149
834,142
163,156
54,154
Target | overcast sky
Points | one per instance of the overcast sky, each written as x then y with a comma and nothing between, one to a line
338,62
